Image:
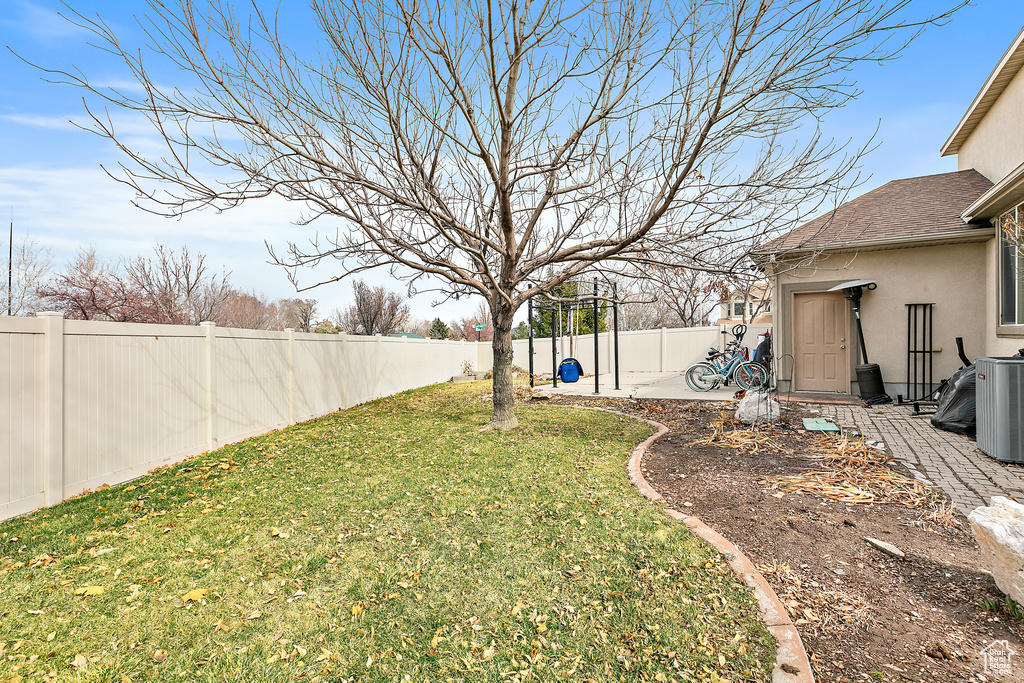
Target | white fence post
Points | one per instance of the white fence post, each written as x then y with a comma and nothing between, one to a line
291,374
376,391
53,408
664,349
209,370
341,371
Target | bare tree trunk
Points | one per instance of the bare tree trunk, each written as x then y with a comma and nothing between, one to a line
503,391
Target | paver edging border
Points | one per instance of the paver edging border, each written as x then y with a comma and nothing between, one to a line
791,663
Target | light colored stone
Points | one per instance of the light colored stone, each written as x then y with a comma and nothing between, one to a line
999,530
757,408
887,548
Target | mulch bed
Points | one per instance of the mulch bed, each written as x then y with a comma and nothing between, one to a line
862,615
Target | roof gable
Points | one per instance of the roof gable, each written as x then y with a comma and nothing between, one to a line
1008,66
908,208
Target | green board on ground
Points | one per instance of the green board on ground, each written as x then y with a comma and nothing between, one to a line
820,424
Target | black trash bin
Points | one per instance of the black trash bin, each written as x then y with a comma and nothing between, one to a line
869,379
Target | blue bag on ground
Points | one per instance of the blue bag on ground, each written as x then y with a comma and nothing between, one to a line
570,370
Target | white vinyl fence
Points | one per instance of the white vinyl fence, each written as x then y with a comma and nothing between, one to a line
90,403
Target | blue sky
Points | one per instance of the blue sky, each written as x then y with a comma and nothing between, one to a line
50,171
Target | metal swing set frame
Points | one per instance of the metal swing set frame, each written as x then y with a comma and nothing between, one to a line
577,301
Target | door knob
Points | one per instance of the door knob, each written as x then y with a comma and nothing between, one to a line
843,346
842,339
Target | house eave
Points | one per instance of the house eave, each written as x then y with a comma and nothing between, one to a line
1002,196
1008,66
977,234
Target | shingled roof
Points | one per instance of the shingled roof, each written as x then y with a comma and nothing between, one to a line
907,208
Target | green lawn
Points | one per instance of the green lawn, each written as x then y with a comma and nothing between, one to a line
390,542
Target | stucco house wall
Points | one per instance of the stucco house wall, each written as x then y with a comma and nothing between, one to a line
996,146
951,276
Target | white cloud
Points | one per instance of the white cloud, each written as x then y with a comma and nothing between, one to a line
43,25
37,121
70,208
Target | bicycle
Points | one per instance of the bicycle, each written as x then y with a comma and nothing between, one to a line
721,367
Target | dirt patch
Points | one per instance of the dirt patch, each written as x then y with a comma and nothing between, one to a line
862,614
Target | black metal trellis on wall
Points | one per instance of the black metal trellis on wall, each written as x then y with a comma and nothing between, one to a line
920,381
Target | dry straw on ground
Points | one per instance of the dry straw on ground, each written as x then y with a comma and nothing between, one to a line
854,473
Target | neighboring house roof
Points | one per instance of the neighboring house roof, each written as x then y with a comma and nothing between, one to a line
901,210
1006,69
758,290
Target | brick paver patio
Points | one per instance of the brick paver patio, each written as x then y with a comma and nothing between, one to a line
948,460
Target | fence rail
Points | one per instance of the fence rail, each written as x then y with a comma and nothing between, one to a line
90,403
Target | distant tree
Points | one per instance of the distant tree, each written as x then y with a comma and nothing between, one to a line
179,286
420,326
573,315
641,315
325,326
296,314
90,289
521,331
245,310
438,330
682,297
29,267
464,327
375,310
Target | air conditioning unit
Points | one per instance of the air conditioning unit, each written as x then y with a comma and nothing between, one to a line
1000,408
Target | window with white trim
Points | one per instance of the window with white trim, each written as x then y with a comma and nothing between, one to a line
1011,270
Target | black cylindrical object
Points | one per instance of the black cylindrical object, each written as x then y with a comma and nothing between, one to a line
529,321
869,379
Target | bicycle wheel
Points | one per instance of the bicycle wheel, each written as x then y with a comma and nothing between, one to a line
701,377
750,376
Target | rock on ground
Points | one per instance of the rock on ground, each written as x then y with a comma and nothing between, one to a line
1000,533
757,408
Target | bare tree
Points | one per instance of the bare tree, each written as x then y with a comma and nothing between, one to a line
179,286
464,327
375,310
685,297
29,265
297,314
245,310
90,289
503,148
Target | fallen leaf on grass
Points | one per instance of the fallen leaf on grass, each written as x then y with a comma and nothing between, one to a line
357,609
89,590
53,634
80,662
159,656
220,626
255,615
195,595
